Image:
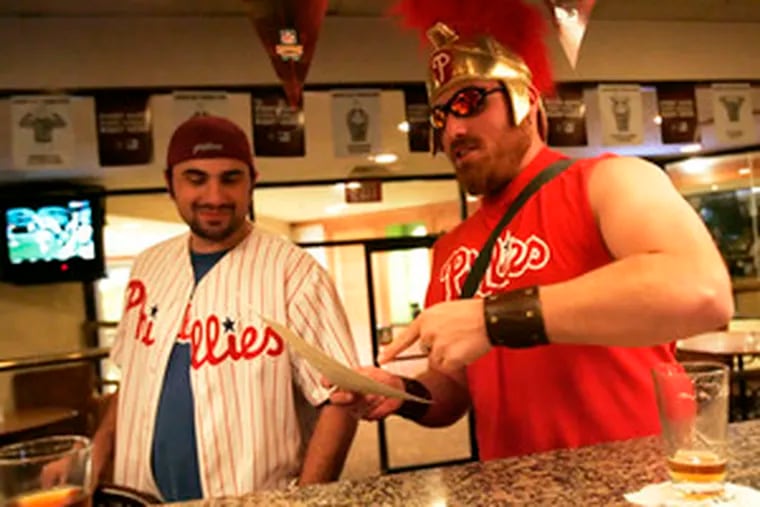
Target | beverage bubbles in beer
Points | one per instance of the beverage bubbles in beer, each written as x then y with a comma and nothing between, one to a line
703,471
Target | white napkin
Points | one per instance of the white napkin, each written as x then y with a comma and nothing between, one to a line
664,495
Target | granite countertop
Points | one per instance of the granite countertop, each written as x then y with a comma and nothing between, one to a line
589,476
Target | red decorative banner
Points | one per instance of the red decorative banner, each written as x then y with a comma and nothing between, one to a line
289,29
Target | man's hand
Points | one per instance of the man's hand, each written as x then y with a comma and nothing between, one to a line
56,473
453,331
369,406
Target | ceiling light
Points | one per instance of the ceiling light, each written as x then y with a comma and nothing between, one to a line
335,209
745,171
131,226
713,187
658,120
691,148
694,165
403,126
384,158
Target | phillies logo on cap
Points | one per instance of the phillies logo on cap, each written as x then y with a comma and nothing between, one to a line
440,65
201,147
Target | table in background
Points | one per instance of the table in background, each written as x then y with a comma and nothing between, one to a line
731,347
590,476
34,422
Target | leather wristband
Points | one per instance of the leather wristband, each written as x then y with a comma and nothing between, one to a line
514,319
414,410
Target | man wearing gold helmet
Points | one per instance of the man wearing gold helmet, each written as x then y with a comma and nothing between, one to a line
587,286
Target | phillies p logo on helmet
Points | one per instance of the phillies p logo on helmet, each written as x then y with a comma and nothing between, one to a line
440,65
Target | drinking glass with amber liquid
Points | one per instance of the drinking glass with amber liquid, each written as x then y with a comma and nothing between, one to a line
46,472
692,401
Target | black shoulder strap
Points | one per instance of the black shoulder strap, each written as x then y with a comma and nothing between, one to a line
484,257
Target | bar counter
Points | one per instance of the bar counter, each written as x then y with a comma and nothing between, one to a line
589,476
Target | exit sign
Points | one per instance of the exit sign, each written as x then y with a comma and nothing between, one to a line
364,191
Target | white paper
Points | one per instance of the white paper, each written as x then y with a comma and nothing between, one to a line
664,495
41,131
622,117
733,113
356,122
339,374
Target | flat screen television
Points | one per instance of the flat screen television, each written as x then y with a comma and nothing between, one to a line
52,234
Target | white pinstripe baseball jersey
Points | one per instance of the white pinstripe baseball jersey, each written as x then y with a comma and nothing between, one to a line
253,400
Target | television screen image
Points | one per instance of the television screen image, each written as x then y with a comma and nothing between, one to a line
53,233
50,233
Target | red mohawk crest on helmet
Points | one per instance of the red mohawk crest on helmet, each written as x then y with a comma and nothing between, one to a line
515,25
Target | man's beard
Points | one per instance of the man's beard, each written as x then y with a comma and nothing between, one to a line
215,234
488,181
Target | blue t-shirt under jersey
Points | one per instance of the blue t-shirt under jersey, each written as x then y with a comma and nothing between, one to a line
175,454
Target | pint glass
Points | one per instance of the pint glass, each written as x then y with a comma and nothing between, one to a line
692,400
46,472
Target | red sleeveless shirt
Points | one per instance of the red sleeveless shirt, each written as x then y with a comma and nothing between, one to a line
557,396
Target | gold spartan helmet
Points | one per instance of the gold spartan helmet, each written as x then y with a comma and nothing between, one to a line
454,61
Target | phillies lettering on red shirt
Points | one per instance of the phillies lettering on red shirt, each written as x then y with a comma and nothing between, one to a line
511,258
205,335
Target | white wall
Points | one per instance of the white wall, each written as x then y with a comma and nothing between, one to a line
51,53
67,54
319,162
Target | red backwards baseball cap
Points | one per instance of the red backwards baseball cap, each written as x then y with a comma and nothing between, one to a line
209,137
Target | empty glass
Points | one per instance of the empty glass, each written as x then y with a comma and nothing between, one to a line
46,472
692,399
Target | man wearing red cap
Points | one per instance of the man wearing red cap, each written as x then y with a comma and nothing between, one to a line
211,402
545,312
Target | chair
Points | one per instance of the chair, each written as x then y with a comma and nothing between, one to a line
111,495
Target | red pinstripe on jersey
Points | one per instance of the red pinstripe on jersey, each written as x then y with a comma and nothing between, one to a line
246,414
140,372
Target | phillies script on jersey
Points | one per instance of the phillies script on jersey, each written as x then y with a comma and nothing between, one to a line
212,340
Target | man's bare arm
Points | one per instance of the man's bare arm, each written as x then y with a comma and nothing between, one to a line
448,392
105,437
329,444
668,280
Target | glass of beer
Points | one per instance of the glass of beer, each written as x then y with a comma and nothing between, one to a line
692,401
47,472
